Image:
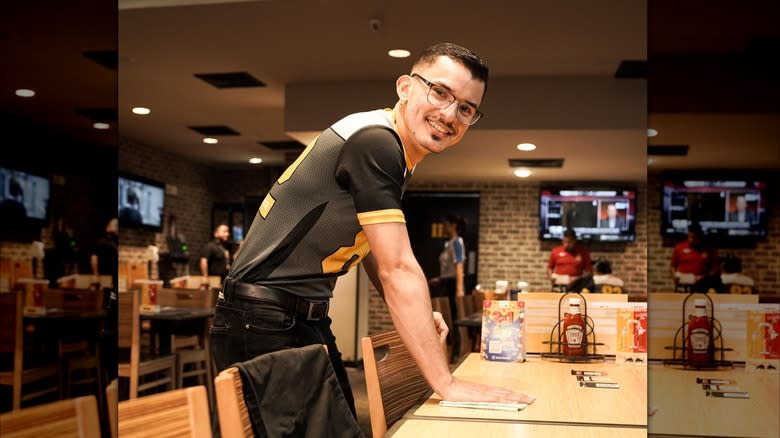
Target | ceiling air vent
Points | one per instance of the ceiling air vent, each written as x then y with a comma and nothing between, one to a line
214,130
99,114
282,145
106,58
668,150
240,79
549,163
631,70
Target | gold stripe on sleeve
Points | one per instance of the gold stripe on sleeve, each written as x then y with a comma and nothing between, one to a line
267,205
381,216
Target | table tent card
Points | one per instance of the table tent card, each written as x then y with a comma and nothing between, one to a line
503,331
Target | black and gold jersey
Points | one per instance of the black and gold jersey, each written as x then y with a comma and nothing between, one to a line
308,229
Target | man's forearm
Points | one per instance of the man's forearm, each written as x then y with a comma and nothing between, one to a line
409,304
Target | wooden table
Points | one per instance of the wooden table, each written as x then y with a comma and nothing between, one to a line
415,428
559,397
683,408
185,321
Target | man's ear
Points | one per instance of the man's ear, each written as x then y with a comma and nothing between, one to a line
402,85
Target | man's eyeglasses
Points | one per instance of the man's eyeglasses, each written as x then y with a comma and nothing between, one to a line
441,98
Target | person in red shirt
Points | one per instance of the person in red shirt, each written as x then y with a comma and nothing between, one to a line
693,257
569,259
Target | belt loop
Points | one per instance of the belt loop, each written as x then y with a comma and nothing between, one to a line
227,290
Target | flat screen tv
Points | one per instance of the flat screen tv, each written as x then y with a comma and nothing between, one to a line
23,195
604,213
725,207
141,202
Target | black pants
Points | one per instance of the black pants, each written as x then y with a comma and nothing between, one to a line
244,328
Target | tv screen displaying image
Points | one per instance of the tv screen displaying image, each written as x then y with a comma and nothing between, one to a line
604,214
23,195
730,207
141,202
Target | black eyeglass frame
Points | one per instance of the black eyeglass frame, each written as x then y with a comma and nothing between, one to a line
475,118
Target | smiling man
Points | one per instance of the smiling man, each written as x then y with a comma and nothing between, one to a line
339,204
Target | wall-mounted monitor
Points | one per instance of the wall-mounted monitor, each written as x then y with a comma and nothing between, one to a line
141,202
24,195
724,207
597,213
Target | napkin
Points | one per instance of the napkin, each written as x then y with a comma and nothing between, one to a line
485,405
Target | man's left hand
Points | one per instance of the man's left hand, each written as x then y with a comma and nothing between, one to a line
441,327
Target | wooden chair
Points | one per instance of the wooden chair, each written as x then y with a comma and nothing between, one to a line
161,369
81,357
12,342
178,413
193,359
442,305
112,401
393,380
234,421
464,306
77,418
12,270
129,272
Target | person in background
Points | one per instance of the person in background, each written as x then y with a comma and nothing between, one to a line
339,204
130,215
732,278
215,258
571,260
603,280
741,213
104,258
613,220
451,268
693,262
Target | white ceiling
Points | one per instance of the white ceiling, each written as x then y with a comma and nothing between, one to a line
296,41
328,44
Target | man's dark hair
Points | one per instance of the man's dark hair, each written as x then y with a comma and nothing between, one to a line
732,265
602,266
570,233
132,196
464,56
695,228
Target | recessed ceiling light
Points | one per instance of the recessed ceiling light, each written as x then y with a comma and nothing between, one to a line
255,160
100,125
651,132
24,92
650,161
526,146
141,110
209,140
399,53
522,172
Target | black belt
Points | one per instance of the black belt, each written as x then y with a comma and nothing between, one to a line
312,309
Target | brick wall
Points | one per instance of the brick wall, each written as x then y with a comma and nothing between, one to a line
198,187
762,263
509,245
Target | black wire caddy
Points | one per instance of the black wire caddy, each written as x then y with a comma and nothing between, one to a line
680,359
589,343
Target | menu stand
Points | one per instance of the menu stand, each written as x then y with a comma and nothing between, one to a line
680,359
589,343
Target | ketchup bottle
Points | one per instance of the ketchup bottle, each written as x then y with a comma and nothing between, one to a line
700,345
573,330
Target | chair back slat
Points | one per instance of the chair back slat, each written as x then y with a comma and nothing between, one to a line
393,381
179,413
234,421
77,418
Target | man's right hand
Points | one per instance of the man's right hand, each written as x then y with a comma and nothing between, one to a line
462,390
